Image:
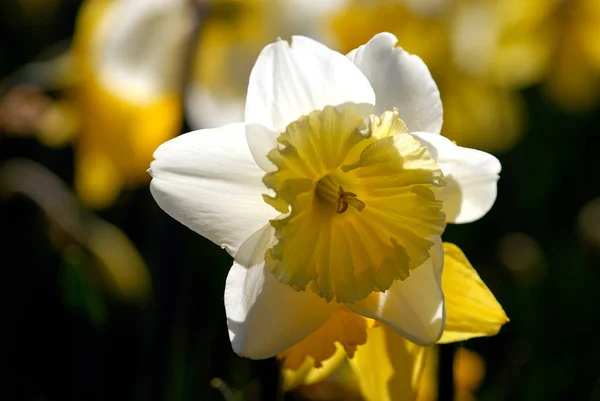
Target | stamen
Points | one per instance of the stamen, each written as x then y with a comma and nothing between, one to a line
348,199
328,191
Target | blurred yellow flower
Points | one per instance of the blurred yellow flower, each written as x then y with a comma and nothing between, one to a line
232,35
482,51
129,56
465,45
386,366
517,43
468,372
573,82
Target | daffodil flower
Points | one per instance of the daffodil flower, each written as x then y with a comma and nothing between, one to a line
331,196
129,56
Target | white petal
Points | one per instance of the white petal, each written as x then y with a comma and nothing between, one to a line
472,177
289,81
260,141
413,307
209,182
266,317
252,251
139,48
400,80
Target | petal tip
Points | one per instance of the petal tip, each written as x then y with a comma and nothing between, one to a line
388,36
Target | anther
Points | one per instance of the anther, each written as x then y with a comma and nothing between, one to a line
346,199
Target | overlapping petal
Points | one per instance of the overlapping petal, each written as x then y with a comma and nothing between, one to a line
266,317
471,308
400,80
309,374
471,178
292,79
344,327
414,307
388,367
209,182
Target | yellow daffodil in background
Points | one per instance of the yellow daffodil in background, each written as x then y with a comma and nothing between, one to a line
482,52
388,367
459,41
518,43
573,82
332,197
232,34
130,57
468,370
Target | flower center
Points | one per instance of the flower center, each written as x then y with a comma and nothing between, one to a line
356,202
326,191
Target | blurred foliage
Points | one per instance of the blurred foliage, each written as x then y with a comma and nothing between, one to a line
127,304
